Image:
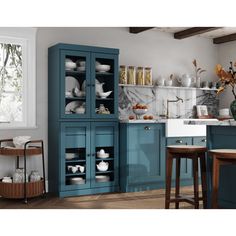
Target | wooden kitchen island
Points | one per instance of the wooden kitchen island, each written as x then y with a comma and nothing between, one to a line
221,135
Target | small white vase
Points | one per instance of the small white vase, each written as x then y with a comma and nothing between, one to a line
198,82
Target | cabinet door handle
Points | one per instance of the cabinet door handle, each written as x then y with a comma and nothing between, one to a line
93,154
88,85
204,140
179,141
88,155
147,128
93,85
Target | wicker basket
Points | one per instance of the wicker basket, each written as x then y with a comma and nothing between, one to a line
16,190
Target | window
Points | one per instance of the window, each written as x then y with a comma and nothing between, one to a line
17,78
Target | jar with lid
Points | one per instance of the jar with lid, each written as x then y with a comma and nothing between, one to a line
131,75
123,75
19,176
140,76
34,176
148,76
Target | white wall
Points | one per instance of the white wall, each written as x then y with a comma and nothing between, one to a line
151,48
227,53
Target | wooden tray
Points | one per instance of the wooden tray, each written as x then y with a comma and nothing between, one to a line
20,152
16,190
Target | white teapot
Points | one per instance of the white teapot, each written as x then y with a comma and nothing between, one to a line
80,109
103,166
185,80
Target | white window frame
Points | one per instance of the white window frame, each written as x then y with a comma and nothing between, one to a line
27,38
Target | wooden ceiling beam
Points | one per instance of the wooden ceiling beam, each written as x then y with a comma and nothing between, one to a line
136,30
193,31
224,39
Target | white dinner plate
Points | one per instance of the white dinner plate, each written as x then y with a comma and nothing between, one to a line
71,83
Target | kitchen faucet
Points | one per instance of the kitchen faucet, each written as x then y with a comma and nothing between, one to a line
168,101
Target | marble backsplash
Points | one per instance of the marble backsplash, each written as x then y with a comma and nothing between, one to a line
156,99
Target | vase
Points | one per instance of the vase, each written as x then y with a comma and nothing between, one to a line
233,109
198,82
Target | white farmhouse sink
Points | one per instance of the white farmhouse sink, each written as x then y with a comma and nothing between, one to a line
177,128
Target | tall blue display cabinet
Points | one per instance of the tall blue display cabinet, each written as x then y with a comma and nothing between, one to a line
82,120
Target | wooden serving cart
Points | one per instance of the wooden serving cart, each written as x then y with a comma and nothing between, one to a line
26,189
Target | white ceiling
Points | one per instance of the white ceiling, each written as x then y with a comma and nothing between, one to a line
212,34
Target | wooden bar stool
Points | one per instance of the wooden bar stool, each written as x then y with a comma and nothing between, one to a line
220,157
192,152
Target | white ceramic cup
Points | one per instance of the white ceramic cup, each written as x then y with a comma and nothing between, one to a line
74,169
81,169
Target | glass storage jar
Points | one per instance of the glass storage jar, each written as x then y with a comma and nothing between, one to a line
140,76
148,76
131,75
34,176
19,176
123,75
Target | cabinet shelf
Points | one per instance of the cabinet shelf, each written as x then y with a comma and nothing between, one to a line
76,98
75,174
71,72
72,161
104,73
104,172
105,99
104,159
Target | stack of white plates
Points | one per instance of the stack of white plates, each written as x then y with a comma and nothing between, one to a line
77,180
104,155
102,178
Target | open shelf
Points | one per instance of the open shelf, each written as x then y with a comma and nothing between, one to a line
74,72
104,73
76,98
105,99
104,159
75,161
165,87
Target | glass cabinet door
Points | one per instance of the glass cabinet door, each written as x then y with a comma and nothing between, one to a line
75,81
75,152
104,161
104,71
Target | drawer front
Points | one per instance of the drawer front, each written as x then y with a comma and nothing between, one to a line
199,141
179,141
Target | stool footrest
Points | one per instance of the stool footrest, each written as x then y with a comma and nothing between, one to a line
182,198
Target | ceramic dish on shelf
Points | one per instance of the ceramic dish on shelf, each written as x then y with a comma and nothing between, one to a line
69,64
102,178
103,68
81,63
70,156
103,156
83,86
105,94
77,180
71,107
81,69
71,83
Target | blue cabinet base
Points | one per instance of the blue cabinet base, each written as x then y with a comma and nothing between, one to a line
88,191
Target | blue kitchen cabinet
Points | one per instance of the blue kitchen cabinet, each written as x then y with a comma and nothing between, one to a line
77,128
79,144
142,156
80,87
199,141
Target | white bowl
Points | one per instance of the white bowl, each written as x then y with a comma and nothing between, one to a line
19,141
105,95
70,65
104,155
77,180
81,63
140,111
103,68
102,178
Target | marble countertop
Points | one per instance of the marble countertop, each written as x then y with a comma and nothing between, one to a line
143,121
230,122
